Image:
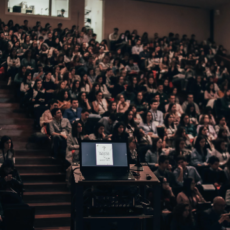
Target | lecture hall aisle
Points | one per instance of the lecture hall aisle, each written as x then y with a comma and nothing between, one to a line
44,182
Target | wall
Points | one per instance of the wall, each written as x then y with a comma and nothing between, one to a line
96,7
76,15
151,18
221,26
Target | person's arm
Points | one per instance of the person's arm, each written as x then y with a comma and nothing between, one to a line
197,177
207,95
9,62
179,175
70,144
95,106
18,63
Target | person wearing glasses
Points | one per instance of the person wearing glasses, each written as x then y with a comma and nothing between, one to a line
100,105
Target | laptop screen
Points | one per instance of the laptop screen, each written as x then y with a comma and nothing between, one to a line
104,154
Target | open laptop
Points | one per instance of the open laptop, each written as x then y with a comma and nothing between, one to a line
103,160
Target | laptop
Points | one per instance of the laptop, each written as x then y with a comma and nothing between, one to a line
104,160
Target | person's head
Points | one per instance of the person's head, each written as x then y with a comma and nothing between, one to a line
179,144
132,143
172,99
38,85
76,86
112,108
190,98
181,132
74,103
99,129
121,98
6,143
185,119
222,120
181,161
56,113
160,87
28,76
223,133
169,121
203,131
139,96
189,186
77,128
99,95
205,120
48,76
84,114
221,145
219,204
147,117
200,143
53,104
172,108
163,162
154,104
214,162
65,95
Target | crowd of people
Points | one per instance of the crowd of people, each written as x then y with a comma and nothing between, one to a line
167,97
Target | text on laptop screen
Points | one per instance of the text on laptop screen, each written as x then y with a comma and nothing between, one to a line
104,154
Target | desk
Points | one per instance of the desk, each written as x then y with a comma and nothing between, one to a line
79,182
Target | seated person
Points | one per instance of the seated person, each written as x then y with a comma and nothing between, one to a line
10,182
122,105
179,151
119,133
109,123
128,120
132,150
162,171
221,151
59,130
190,99
148,125
200,154
222,124
184,171
7,152
74,112
213,174
46,117
190,129
215,218
205,121
172,100
100,105
157,115
190,194
142,138
170,126
183,218
153,154
64,102
73,142
99,133
87,129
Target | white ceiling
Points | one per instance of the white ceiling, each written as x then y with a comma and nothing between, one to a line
207,4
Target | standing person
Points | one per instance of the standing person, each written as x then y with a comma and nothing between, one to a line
59,129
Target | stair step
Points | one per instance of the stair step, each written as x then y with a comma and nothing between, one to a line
7,100
12,110
15,133
42,177
6,94
31,152
6,91
9,105
46,197
21,121
51,208
14,115
17,127
57,228
45,187
52,220
38,168
31,147
34,160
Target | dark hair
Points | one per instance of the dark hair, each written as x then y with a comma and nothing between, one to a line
153,101
202,118
74,86
162,159
179,132
26,75
213,159
4,139
97,126
73,99
113,117
201,129
198,148
126,121
187,188
63,94
115,130
154,145
177,143
8,163
54,111
178,214
110,106
52,101
35,84
74,128
84,111
166,121
170,107
221,132
144,117
182,119
179,158
217,144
